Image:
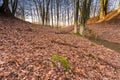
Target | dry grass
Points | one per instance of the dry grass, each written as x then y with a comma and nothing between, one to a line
108,17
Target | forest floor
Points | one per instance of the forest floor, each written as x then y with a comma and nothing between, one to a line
26,49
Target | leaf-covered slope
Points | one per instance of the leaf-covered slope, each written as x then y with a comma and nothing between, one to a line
25,48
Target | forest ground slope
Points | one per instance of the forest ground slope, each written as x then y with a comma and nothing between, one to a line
108,30
25,49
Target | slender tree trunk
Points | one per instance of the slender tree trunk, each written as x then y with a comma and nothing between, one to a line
68,16
31,12
76,17
37,9
47,11
51,12
54,13
95,7
23,16
57,6
114,4
119,8
14,4
102,14
103,8
68,11
22,6
62,18
43,13
88,9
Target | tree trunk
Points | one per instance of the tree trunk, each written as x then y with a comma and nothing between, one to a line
31,13
103,8
22,7
76,17
51,13
85,15
14,4
5,8
57,5
102,14
47,11
119,8
68,11
43,13
42,10
82,29
37,10
95,7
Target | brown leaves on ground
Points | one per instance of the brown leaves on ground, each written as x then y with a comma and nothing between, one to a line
24,54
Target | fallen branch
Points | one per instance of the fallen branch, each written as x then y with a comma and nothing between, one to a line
66,44
61,32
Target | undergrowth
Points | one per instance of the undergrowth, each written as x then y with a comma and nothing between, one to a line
62,60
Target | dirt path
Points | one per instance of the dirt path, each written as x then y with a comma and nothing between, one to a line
25,48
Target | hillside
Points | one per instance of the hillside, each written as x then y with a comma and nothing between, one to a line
110,16
109,29
25,50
